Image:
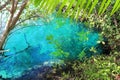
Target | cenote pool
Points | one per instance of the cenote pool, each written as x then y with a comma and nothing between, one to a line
44,43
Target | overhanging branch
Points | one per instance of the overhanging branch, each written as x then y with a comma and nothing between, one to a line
15,19
5,4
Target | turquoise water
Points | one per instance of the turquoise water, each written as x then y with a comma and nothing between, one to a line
35,45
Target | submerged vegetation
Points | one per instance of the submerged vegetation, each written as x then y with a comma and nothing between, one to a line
79,59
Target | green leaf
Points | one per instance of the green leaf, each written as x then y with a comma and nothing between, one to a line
81,6
60,54
92,7
106,5
56,2
88,3
70,5
93,49
37,2
50,6
116,7
49,37
82,54
42,4
102,6
83,36
61,7
77,5
47,4
66,54
118,37
87,6
56,53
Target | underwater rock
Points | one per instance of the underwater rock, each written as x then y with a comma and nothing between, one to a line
32,45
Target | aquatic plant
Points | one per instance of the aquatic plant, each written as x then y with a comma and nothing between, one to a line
47,45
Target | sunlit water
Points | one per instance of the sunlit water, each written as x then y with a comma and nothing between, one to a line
31,45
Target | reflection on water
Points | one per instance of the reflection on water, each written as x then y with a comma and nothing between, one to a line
32,45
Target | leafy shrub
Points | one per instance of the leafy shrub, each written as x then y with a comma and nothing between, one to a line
95,68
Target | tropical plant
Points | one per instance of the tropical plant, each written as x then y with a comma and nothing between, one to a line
77,8
108,27
95,68
73,8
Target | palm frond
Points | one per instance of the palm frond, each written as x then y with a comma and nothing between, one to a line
92,7
86,6
102,6
55,3
106,5
37,2
80,8
62,6
69,7
76,7
116,7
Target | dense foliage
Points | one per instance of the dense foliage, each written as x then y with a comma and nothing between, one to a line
101,67
77,8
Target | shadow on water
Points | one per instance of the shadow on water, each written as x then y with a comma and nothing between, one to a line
32,45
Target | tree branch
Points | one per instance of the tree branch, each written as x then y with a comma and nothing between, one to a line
115,21
12,21
5,4
21,21
16,3
13,8
19,13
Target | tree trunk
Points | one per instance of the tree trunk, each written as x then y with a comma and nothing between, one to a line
11,22
3,38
